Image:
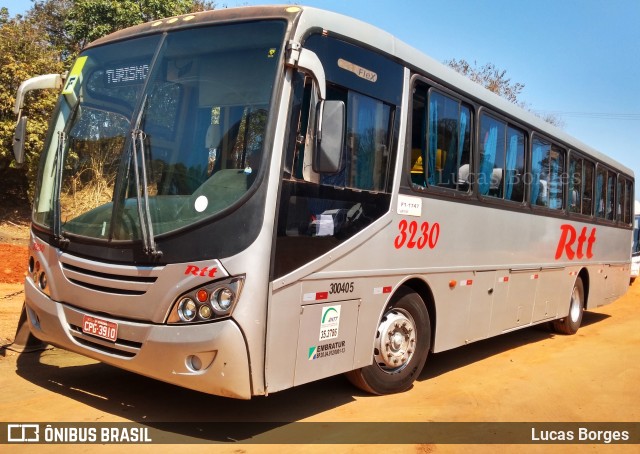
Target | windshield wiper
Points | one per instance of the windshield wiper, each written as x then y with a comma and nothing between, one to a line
142,195
57,221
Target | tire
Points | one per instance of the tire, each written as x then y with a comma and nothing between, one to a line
396,364
573,320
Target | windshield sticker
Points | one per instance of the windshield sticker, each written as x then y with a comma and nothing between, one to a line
74,76
201,203
329,323
359,71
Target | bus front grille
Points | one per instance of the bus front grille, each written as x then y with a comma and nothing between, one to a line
107,278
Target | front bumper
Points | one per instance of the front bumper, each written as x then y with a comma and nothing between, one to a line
210,357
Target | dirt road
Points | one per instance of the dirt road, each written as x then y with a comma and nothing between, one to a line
529,375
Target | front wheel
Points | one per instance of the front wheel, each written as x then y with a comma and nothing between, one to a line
401,346
571,323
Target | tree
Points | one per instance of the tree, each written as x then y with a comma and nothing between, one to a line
89,20
495,80
46,40
24,53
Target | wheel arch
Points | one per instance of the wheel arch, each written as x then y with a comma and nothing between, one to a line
424,291
584,275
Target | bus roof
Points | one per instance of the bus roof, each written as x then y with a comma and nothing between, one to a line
303,19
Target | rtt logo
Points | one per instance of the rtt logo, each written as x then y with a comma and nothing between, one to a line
568,245
197,271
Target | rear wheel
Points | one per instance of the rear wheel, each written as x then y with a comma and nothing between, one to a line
571,323
401,346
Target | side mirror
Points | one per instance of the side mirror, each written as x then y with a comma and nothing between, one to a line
329,137
18,140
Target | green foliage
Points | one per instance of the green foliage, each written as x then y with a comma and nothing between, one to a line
495,80
89,20
46,40
24,54
490,77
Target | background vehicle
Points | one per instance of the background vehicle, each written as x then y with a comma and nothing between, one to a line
242,201
635,248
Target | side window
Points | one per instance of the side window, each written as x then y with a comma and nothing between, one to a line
575,184
620,200
449,143
628,202
611,188
601,192
366,155
580,185
501,160
587,188
317,210
547,168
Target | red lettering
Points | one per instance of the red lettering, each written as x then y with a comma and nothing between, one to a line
581,239
565,244
568,238
410,238
37,247
202,272
192,269
590,241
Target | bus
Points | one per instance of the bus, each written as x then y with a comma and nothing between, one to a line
635,245
242,201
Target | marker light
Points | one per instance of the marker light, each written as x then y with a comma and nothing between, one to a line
205,312
202,295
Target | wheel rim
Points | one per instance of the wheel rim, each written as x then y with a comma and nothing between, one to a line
396,341
576,305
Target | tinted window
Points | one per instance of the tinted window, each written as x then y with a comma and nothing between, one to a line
587,188
601,192
547,168
441,140
318,211
501,160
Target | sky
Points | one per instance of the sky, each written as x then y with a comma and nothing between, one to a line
578,59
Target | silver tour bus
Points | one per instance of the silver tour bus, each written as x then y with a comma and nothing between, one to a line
245,200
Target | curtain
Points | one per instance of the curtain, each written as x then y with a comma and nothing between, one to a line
464,118
555,184
599,198
536,170
488,160
512,157
433,141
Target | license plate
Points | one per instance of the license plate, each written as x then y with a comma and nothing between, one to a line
100,328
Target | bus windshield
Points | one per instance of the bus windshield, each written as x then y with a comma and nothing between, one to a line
158,132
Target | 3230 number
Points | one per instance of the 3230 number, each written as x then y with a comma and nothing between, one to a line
413,236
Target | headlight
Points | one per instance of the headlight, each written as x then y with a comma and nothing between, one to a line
187,309
207,303
222,299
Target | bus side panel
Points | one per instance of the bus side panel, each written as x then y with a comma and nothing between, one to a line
326,340
553,293
282,321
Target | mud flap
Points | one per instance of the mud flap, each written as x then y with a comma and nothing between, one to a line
24,341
